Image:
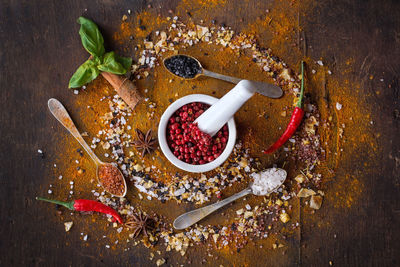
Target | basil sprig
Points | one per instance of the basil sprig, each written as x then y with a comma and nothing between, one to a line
93,42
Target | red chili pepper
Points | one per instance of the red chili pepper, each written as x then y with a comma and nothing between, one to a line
295,119
86,205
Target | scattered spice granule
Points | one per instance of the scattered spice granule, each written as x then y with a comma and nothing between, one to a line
160,262
68,226
251,222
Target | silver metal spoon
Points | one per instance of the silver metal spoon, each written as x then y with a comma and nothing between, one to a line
266,89
189,218
61,114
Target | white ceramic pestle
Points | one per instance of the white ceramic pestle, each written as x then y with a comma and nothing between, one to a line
216,116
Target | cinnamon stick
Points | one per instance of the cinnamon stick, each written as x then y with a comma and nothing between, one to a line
124,87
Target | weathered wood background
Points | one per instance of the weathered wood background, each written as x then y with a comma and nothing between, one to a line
38,44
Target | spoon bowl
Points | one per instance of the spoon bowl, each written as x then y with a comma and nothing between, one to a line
115,170
200,67
61,114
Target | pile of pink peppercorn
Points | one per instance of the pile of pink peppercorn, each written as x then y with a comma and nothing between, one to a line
187,142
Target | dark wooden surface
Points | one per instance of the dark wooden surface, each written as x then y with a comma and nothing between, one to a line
39,50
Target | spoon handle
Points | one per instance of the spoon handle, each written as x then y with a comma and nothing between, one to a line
266,89
61,114
221,76
192,217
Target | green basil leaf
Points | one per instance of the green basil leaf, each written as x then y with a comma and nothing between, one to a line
92,40
115,64
86,73
126,62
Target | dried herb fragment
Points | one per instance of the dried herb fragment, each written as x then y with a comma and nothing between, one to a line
140,223
144,142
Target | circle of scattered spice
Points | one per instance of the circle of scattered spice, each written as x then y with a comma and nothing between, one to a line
187,142
111,179
183,66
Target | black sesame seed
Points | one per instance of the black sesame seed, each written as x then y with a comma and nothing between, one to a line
183,66
148,37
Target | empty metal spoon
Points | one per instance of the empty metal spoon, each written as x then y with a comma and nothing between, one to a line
61,114
193,69
189,218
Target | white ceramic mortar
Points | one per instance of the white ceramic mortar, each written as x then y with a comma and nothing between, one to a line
162,135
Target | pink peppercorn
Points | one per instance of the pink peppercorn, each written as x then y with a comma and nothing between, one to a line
187,142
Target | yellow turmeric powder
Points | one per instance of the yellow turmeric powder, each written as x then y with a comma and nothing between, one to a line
258,121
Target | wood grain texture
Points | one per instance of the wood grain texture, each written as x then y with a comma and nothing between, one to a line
39,51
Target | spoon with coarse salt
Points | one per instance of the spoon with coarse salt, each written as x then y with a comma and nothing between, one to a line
108,175
265,182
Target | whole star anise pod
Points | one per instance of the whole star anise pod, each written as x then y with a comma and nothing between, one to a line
144,142
140,223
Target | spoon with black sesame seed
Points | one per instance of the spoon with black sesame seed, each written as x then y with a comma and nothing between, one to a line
187,67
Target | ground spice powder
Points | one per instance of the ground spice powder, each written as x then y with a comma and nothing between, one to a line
111,179
340,143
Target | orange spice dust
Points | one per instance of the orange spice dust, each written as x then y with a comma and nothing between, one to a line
343,132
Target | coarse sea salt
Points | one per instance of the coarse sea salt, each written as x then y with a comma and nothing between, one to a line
267,181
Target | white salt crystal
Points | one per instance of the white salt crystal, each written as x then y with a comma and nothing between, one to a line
338,106
267,181
180,191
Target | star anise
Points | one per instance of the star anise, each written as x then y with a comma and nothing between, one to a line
140,223
144,142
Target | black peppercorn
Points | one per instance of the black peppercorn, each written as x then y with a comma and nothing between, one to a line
183,66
